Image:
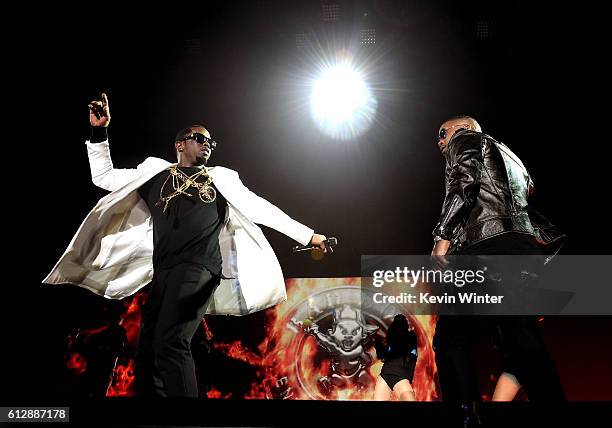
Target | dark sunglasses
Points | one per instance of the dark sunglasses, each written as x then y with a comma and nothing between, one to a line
201,139
443,132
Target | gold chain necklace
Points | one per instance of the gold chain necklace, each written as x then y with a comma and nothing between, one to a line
182,182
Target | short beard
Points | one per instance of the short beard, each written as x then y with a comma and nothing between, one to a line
201,160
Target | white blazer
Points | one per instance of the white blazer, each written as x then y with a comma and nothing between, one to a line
112,252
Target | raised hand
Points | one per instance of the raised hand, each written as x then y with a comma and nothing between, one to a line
99,112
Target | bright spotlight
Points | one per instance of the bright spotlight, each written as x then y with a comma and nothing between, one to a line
342,104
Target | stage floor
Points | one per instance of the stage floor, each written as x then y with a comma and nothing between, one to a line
133,412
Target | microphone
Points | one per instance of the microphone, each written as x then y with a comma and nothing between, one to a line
329,244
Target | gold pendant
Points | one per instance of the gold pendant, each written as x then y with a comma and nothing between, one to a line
207,194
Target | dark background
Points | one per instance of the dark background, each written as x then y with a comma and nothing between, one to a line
532,83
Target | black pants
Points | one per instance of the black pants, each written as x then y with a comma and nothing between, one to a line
452,344
174,309
523,350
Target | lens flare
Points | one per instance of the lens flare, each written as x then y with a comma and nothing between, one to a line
342,104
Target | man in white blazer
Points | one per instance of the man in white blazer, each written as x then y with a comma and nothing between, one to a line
189,230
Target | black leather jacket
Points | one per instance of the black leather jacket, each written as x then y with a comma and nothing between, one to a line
487,187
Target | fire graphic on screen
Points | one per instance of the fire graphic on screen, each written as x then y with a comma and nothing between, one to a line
303,355
301,361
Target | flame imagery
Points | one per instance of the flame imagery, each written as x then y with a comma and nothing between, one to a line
291,362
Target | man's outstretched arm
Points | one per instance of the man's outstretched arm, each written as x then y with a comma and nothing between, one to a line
103,173
263,212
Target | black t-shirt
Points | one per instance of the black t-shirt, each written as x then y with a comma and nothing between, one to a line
188,231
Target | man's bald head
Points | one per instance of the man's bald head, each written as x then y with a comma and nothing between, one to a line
450,127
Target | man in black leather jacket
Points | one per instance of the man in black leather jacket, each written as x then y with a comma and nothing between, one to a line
485,211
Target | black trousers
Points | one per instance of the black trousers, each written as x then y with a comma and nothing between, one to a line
174,309
524,353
